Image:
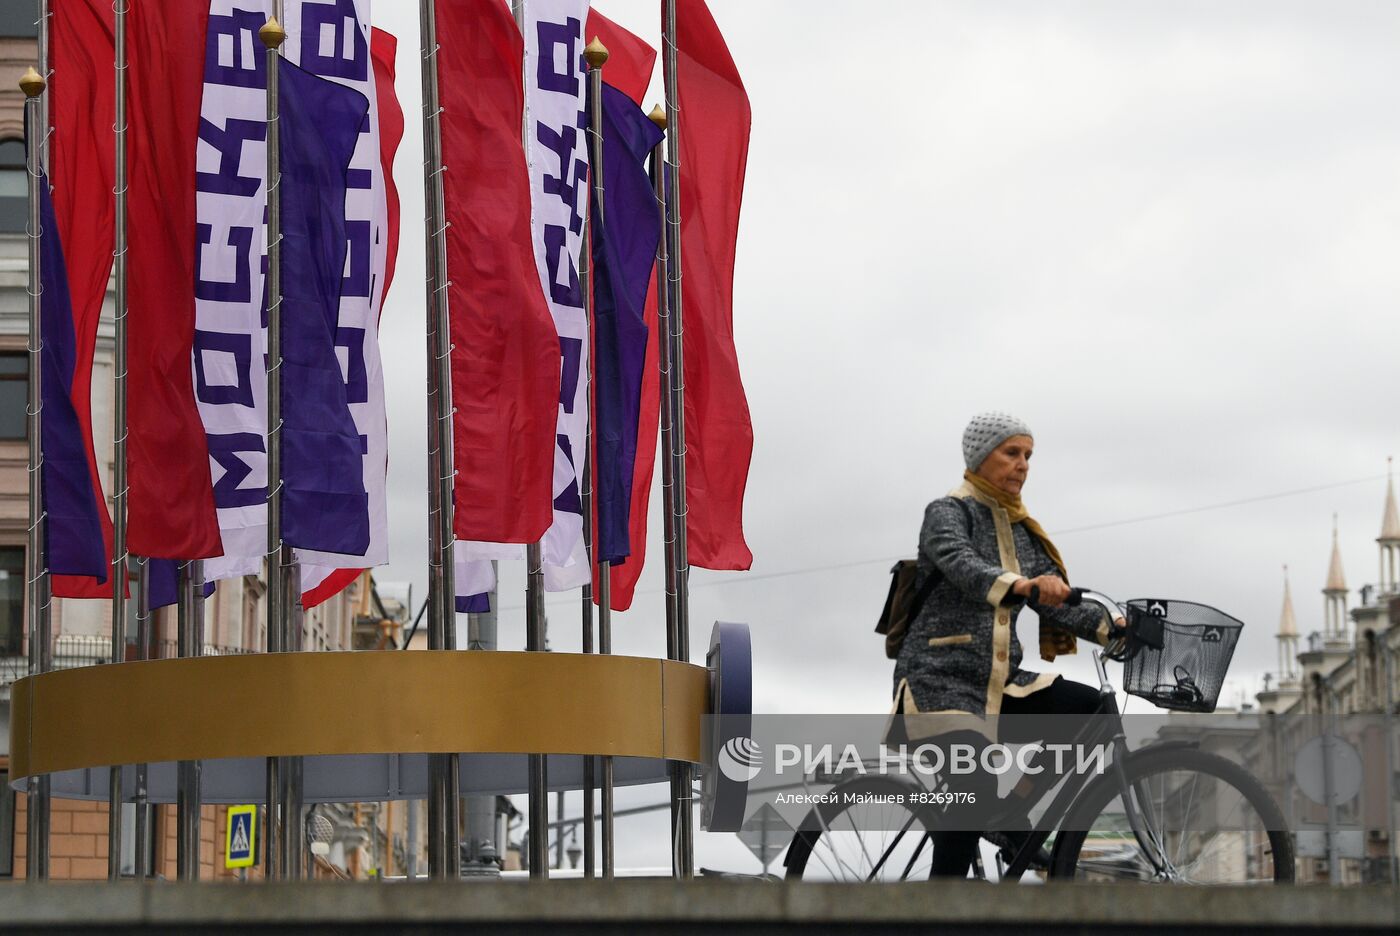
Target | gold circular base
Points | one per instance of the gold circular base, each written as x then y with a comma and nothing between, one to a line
288,704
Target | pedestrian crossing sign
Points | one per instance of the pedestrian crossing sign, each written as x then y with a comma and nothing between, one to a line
238,840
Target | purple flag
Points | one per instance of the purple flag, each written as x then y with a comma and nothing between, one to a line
73,532
324,503
624,251
473,604
164,575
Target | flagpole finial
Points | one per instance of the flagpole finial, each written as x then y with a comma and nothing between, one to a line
32,83
658,116
272,34
595,54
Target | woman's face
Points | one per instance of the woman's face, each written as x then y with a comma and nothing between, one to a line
1006,468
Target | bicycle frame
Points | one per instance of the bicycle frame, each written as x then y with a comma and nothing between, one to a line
1108,728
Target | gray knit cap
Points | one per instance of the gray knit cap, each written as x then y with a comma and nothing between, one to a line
986,432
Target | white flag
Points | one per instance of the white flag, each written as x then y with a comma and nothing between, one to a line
558,157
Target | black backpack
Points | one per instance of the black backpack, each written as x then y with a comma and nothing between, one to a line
907,597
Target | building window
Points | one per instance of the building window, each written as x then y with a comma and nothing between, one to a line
11,600
14,396
19,21
14,187
7,826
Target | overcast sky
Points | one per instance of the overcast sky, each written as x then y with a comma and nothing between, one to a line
1164,234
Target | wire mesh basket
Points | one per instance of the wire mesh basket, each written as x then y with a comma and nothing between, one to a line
1177,653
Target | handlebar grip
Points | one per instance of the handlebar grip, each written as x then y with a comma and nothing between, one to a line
1032,601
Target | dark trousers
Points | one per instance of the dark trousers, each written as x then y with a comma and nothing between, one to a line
953,851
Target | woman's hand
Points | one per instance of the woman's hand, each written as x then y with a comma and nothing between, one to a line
1053,589
1117,638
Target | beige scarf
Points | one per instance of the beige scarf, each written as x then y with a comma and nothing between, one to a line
1054,641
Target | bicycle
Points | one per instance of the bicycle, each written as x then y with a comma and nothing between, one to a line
1132,822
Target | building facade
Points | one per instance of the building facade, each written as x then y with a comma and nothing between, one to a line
1344,679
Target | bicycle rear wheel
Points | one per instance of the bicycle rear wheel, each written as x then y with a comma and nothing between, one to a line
1214,824
870,832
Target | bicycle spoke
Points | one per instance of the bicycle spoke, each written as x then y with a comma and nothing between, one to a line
1186,821
865,839
893,845
927,837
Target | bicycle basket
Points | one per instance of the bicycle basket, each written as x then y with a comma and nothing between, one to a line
1177,653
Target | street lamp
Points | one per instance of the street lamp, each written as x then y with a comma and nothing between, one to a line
573,851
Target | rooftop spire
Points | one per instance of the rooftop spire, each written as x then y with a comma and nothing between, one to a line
1287,622
1336,580
1390,522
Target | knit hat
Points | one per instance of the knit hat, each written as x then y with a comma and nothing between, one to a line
986,432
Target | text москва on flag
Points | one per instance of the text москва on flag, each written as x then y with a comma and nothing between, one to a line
542,207
538,404
197,335
721,441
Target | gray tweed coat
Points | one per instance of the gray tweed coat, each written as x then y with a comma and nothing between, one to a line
961,654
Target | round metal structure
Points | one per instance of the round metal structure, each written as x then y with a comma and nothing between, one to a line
73,725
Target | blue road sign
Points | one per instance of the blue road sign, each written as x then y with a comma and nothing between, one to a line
238,842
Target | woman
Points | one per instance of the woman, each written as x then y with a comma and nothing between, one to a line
961,655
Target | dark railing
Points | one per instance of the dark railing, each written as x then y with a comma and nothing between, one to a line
74,650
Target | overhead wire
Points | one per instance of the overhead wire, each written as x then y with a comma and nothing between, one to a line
1146,518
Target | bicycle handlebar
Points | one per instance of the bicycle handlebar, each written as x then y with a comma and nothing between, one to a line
1032,601
1077,596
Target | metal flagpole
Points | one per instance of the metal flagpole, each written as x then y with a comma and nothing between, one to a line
272,36
536,639
45,72
585,273
189,644
679,795
141,827
286,834
590,782
444,834
119,431
685,842
663,319
36,569
146,649
596,55
537,764
436,843
291,808
483,851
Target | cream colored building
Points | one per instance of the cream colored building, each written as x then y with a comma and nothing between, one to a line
1349,666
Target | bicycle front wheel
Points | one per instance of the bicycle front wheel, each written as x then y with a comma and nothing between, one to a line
1204,820
868,832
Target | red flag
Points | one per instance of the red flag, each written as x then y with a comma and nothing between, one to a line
83,107
505,357
714,141
630,59
383,49
171,505
630,64
332,585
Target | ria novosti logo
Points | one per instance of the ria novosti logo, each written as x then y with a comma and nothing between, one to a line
740,759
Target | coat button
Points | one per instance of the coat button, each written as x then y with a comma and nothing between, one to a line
1001,655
